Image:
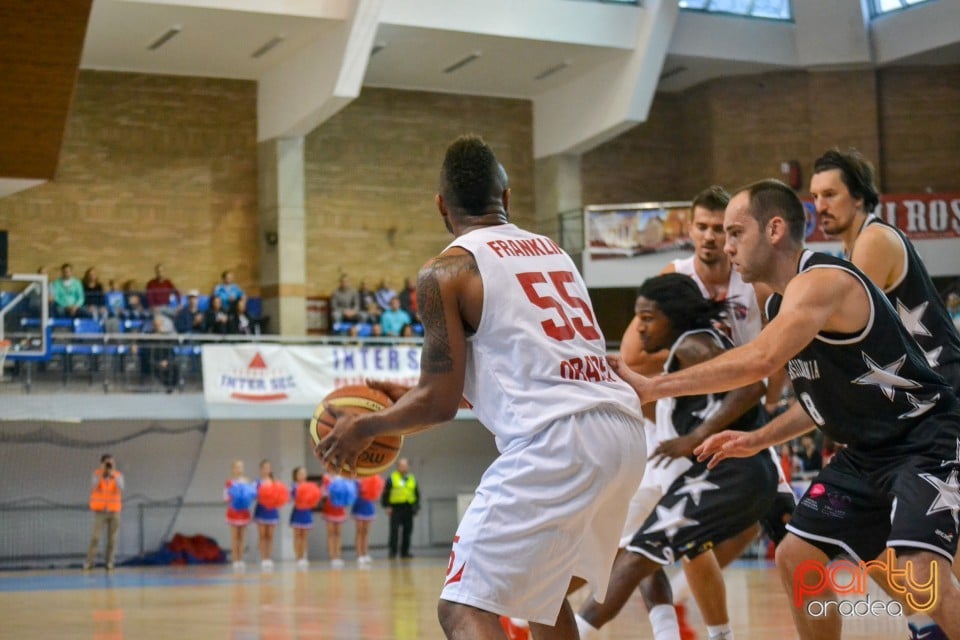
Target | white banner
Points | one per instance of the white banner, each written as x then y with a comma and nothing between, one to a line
280,375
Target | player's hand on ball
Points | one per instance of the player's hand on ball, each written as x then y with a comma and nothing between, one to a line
341,448
723,445
393,390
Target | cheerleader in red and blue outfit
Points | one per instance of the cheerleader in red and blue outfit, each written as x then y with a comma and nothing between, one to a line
301,519
238,519
334,516
267,519
364,512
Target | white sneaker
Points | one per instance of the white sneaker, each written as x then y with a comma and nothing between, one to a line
337,563
239,565
266,565
364,560
303,563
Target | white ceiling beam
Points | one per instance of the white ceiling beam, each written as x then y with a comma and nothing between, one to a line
310,86
612,98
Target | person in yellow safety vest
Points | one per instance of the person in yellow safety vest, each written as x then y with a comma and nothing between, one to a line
106,501
401,499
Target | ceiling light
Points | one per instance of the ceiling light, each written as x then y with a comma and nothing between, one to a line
464,62
268,45
165,38
557,68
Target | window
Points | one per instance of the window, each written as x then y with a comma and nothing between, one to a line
880,7
770,9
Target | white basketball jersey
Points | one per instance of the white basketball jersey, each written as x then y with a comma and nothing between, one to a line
743,318
538,353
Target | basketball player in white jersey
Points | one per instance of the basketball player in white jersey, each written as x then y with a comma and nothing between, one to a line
509,326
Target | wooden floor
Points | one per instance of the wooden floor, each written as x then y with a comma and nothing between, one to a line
391,600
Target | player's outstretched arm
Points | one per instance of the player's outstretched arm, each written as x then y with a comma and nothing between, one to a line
692,351
810,304
742,444
441,285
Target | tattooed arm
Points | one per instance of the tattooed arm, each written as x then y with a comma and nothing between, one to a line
450,296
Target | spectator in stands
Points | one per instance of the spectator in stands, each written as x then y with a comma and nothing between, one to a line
384,294
216,318
156,356
114,300
161,292
106,502
368,304
94,302
953,307
227,290
67,294
239,321
135,309
809,454
345,303
394,320
189,318
408,299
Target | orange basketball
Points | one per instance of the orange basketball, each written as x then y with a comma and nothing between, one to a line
358,399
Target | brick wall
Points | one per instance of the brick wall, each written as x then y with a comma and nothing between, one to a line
735,130
371,174
159,168
152,169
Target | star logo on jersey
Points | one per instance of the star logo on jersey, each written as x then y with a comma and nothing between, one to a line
920,407
912,318
694,487
948,495
886,377
671,520
933,357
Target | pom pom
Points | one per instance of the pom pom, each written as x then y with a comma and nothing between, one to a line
371,487
308,495
342,492
241,495
273,495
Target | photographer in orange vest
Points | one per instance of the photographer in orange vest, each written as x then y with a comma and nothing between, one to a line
106,501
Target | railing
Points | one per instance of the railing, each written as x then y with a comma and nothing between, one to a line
142,363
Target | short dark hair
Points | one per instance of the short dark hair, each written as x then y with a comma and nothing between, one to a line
855,172
770,198
680,299
105,457
713,198
471,178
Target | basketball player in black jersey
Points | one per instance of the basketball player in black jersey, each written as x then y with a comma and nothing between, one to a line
844,195
702,507
860,376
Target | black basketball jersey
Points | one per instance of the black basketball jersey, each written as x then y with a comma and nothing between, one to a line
870,388
689,411
920,308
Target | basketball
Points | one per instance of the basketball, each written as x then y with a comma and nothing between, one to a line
358,399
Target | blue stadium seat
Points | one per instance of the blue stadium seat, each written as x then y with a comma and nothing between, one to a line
364,330
203,303
87,325
417,329
131,326
254,307
342,328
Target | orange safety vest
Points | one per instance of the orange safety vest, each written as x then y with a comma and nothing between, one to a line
106,496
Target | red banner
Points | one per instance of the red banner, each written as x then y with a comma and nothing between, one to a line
922,216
